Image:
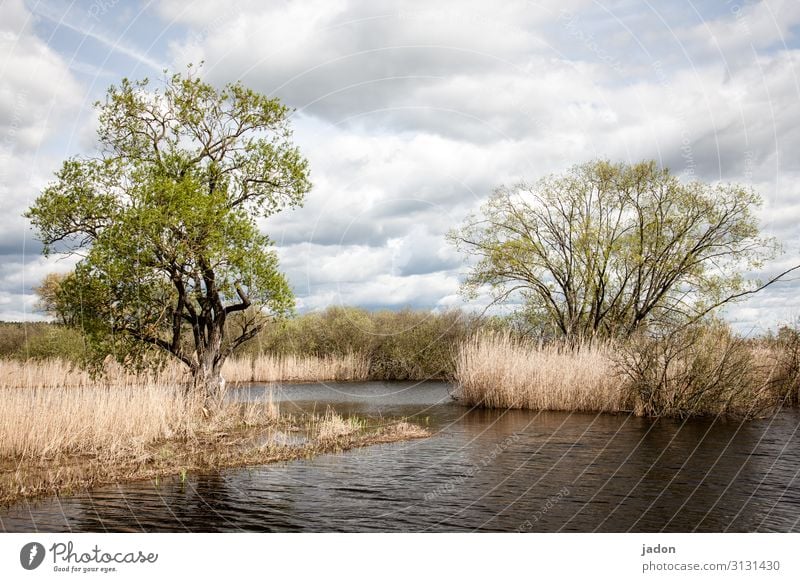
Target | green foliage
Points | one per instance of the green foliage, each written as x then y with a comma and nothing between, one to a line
41,341
404,345
608,249
51,300
165,220
57,342
416,345
13,336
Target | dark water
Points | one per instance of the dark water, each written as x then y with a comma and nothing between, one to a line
483,470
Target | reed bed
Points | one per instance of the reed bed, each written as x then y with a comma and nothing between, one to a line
52,408
705,371
261,368
500,371
59,439
56,372
119,420
296,368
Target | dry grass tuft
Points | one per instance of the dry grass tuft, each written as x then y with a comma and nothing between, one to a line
499,371
404,430
332,426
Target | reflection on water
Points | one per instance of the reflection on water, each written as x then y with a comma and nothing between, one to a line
483,470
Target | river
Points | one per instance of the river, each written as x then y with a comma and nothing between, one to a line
483,470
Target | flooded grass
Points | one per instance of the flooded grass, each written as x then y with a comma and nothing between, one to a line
704,372
56,440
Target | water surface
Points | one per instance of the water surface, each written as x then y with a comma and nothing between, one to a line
483,470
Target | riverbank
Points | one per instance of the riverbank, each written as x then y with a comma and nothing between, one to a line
704,372
61,440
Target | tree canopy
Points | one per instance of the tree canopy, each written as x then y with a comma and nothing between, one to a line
608,249
164,220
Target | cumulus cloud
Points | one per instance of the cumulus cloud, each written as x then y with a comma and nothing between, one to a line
38,98
411,113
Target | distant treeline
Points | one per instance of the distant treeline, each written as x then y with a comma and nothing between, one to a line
399,345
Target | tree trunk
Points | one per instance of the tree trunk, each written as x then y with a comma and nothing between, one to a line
208,380
207,373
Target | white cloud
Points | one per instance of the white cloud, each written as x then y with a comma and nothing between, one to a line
37,91
38,99
410,113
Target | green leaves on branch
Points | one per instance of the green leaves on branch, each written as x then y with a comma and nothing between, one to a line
164,221
608,249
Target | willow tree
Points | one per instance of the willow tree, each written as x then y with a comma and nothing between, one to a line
608,249
163,222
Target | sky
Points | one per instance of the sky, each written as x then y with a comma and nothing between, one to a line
411,113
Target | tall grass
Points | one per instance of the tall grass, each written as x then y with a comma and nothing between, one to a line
500,371
38,424
59,438
262,368
702,370
296,368
61,373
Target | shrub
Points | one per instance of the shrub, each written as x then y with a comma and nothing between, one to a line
401,345
700,370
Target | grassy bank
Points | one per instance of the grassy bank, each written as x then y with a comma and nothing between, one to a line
704,371
56,440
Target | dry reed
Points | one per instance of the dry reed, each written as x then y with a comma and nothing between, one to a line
262,368
499,371
293,368
61,429
41,424
62,374
705,371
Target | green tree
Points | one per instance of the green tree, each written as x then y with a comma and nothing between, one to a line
164,222
609,249
51,298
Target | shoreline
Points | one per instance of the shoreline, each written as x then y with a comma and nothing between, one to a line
69,475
